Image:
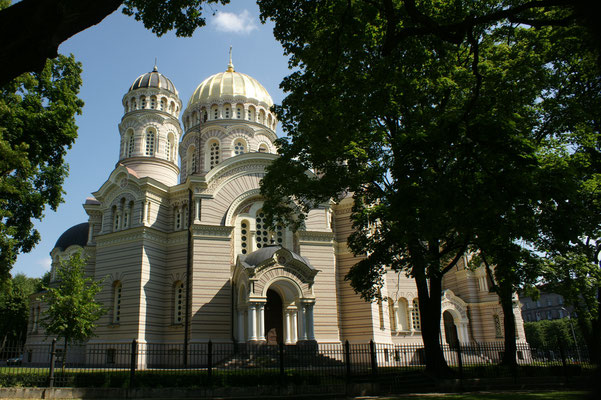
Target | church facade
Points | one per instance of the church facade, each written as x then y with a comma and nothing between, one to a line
178,234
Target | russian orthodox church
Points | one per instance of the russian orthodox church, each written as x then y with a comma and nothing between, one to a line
178,234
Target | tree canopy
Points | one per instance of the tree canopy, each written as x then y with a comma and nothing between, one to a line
14,309
51,22
72,308
433,117
37,126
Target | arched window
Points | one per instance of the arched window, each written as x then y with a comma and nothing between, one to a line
263,148
153,102
195,118
244,234
178,302
250,115
205,115
415,318
261,117
402,314
150,141
127,214
239,111
269,119
143,101
117,291
261,233
239,147
215,112
213,154
226,111
130,144
163,106
171,107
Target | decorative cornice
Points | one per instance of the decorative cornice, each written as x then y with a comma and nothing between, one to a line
211,231
315,237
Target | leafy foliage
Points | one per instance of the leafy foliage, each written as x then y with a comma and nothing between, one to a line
37,126
14,308
438,119
162,16
72,309
552,333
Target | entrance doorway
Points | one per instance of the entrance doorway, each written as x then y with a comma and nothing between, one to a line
450,329
273,318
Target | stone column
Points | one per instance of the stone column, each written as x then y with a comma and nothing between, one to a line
252,322
410,317
288,337
261,309
310,327
293,326
241,337
196,211
302,333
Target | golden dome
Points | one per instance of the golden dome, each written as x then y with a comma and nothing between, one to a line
231,86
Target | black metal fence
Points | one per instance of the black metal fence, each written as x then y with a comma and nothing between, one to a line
129,365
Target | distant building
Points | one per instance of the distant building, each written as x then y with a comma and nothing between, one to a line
549,306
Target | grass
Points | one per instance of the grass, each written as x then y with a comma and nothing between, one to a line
494,396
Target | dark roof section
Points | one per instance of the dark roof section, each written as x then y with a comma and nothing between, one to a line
258,256
153,79
77,234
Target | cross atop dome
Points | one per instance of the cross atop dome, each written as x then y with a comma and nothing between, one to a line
230,66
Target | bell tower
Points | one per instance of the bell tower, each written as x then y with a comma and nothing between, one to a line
150,129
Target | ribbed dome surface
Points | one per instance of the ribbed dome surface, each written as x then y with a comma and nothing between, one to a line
77,234
154,79
231,86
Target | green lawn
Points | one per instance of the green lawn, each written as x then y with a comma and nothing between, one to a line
493,396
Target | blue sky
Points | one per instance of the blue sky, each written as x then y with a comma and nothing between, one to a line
114,53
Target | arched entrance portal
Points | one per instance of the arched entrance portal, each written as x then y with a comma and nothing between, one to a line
450,329
274,326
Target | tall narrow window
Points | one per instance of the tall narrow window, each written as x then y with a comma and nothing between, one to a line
153,102
391,314
213,155
402,319
163,106
244,236
279,235
116,219
381,313
227,111
169,147
117,289
415,319
239,112
498,329
143,101
178,303
130,145
261,234
178,218
150,139
205,116
239,147
215,113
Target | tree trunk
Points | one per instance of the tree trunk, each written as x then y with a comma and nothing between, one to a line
32,31
429,308
64,361
506,298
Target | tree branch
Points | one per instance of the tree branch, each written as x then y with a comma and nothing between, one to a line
34,29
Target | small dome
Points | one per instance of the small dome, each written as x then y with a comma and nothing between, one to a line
76,235
231,86
154,79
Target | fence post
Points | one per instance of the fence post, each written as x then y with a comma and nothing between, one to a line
52,361
460,362
374,358
210,361
282,374
347,359
133,362
564,362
